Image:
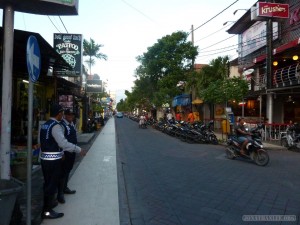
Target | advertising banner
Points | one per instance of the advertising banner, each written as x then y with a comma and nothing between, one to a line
254,37
94,86
267,9
69,46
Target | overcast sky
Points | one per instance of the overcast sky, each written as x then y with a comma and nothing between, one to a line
126,28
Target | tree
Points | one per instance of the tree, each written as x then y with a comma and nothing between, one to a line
165,64
223,90
214,86
91,50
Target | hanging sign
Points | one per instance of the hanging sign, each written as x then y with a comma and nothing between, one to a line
266,9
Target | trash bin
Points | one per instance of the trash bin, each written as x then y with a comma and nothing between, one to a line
9,190
225,126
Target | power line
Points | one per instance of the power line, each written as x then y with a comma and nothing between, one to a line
217,53
53,24
235,45
219,42
138,11
63,24
213,33
214,16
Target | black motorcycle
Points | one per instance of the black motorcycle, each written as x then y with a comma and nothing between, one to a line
291,138
255,149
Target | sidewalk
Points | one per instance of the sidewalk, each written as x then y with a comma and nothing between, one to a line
95,180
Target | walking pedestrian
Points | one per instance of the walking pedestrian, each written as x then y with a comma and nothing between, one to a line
190,118
170,117
52,142
178,116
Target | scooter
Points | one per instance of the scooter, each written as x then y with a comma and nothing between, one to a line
255,149
142,123
291,138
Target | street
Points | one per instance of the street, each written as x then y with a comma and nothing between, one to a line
169,182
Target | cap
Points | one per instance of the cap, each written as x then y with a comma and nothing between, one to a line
55,109
69,112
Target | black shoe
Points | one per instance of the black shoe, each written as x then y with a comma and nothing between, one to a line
51,214
68,191
61,199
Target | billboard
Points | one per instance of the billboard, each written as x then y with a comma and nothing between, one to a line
69,46
267,9
254,37
94,86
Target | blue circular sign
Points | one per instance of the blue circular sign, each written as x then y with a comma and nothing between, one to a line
33,58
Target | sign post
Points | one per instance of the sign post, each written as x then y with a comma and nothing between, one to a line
33,60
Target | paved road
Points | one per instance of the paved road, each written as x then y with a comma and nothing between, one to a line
169,182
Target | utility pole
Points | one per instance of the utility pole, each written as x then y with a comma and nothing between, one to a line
8,46
193,67
269,73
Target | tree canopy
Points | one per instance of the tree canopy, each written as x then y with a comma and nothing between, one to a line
92,50
169,61
215,86
163,66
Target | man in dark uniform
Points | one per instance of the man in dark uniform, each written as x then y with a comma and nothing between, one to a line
52,142
68,162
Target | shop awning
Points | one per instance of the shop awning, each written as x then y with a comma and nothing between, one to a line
286,46
279,49
197,101
44,7
49,57
181,100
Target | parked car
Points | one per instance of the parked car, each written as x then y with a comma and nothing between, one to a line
119,115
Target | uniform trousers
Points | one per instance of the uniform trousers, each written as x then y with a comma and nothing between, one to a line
67,166
52,170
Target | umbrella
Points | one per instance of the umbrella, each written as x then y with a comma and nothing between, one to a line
197,101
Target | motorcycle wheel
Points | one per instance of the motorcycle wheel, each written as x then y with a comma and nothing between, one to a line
284,142
213,139
261,158
229,154
190,140
183,137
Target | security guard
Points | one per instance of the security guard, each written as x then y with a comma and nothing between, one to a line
68,162
52,142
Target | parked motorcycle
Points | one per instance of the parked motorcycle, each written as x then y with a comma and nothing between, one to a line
91,125
256,151
291,138
208,135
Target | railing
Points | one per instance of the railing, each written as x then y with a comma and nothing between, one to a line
287,76
272,132
282,77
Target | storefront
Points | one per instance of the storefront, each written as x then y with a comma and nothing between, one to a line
281,86
182,104
45,91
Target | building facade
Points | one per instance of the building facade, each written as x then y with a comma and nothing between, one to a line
269,57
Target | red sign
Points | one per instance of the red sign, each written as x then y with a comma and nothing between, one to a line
267,9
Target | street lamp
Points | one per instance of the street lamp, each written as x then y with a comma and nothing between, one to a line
238,10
